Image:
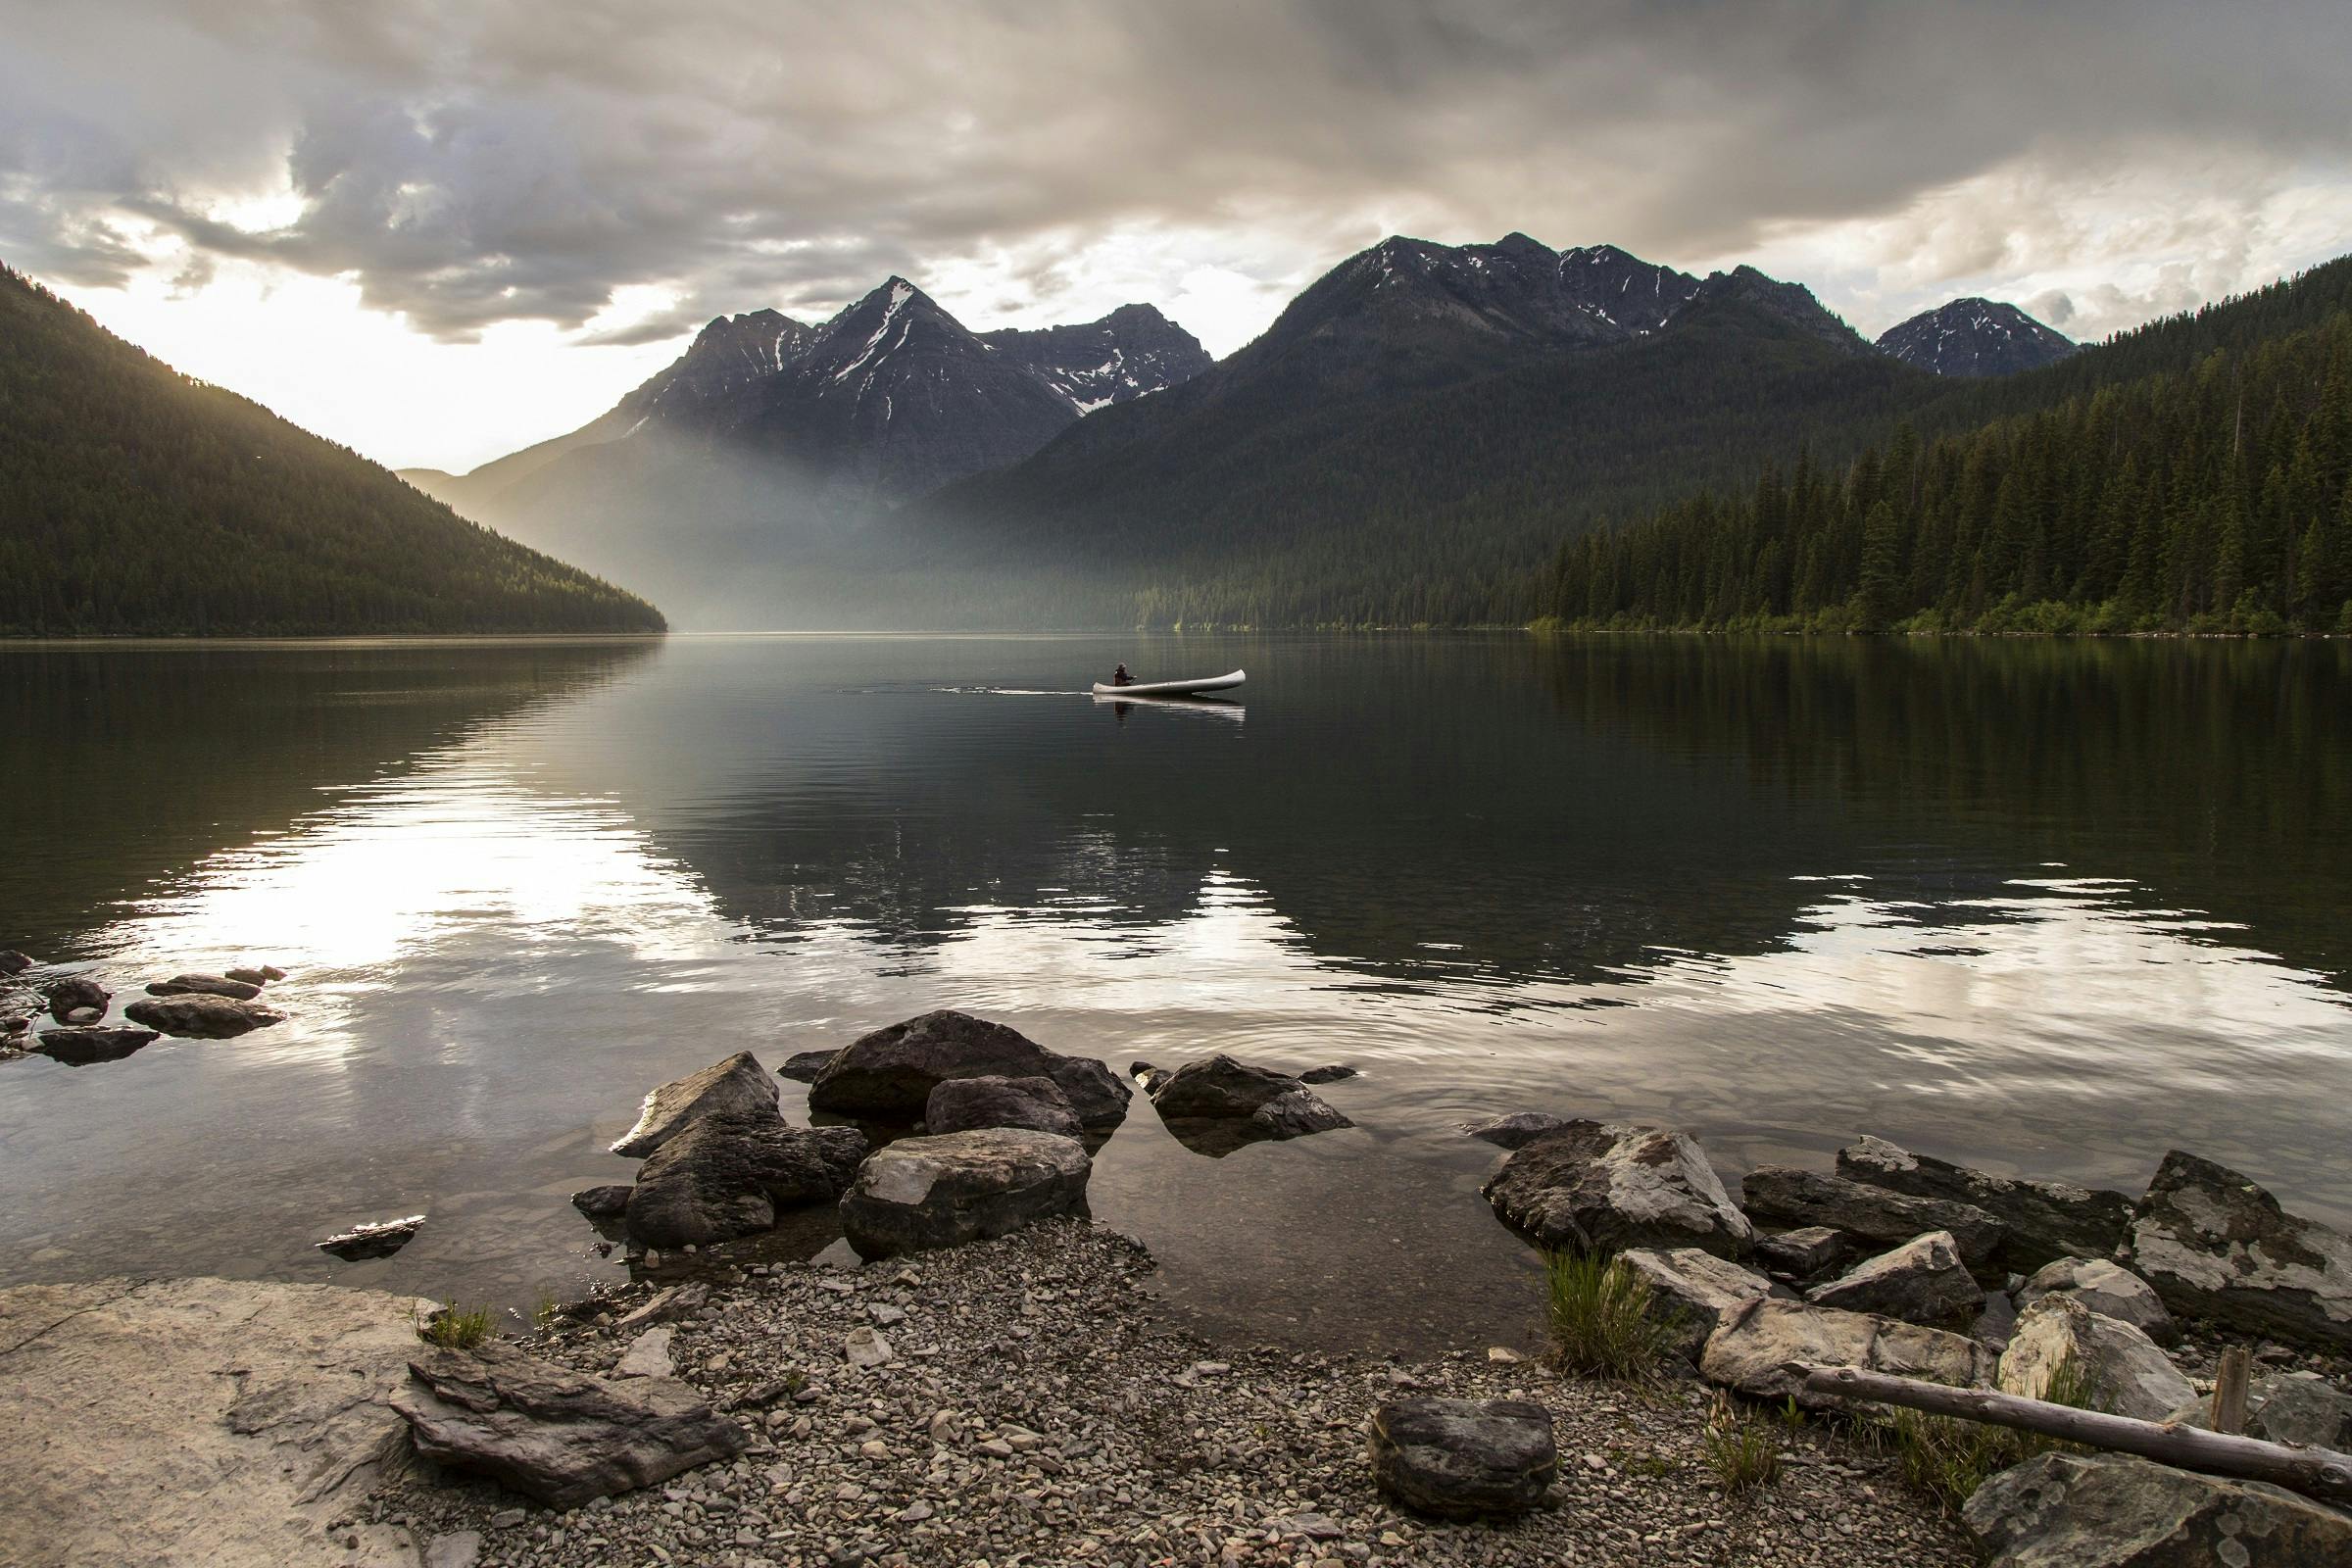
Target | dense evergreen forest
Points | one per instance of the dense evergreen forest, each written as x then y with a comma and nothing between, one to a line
135,500
2193,476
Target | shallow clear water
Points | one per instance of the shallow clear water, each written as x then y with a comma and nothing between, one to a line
2052,907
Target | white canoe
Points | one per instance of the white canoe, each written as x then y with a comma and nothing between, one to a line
1172,688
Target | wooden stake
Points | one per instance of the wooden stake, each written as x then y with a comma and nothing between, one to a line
2229,1389
2315,1472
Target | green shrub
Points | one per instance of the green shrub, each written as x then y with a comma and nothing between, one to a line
456,1329
1600,1313
1743,1452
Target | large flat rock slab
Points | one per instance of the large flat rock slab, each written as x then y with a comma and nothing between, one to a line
198,1422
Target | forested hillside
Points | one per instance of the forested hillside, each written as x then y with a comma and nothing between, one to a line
2194,476
135,500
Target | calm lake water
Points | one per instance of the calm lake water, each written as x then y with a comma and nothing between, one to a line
2050,907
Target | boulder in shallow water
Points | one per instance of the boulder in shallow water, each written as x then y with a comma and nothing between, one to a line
2214,1245
1515,1130
202,1017
2107,1289
607,1203
205,985
737,1087
79,1045
944,1191
2123,1370
1922,1281
376,1238
802,1066
1593,1185
959,1104
12,963
256,974
1765,1348
70,996
1692,1291
726,1175
1330,1073
889,1075
2105,1510
1784,1195
1463,1459
2043,1221
562,1437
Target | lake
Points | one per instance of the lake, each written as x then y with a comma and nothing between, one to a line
2052,907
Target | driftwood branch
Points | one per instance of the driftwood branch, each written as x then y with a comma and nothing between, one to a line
2315,1472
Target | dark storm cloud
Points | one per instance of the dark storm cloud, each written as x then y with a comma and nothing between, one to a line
469,162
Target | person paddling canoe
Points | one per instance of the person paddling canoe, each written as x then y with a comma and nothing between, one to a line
1120,677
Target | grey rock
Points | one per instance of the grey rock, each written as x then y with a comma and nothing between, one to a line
726,1175
608,1202
253,977
1463,1459
2214,1245
802,1066
203,1017
1763,1349
2045,1219
1515,1132
677,1302
69,996
1692,1290
1594,1186
376,1238
82,1017
1330,1074
1037,1103
890,1074
865,1347
457,1549
1219,1087
2066,1510
2284,1408
1806,1252
944,1191
559,1436
2107,1289
12,963
2127,1373
737,1087
648,1356
1996,1322
1922,1281
1787,1196
83,1044
205,985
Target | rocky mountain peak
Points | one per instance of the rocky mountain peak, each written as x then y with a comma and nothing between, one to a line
1975,337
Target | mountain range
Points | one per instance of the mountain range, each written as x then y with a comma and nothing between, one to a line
892,466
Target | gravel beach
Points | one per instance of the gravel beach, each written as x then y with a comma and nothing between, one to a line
1023,1407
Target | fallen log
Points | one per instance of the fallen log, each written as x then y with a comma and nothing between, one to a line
2320,1473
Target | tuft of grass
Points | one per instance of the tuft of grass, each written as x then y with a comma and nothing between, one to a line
454,1329
1949,1458
548,1313
1745,1453
1599,1314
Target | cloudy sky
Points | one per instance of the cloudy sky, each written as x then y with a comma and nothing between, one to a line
439,229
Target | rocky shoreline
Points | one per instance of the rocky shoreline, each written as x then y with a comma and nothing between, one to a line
985,1382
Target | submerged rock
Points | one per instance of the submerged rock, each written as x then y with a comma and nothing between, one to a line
890,1074
1463,1459
79,1045
562,1437
2214,1245
2107,1289
205,985
1922,1281
70,996
2125,1371
1594,1186
1330,1074
738,1087
959,1104
1692,1291
944,1191
2104,1511
2044,1220
1218,1105
1788,1196
203,1017
726,1175
1515,1130
1765,1348
377,1239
